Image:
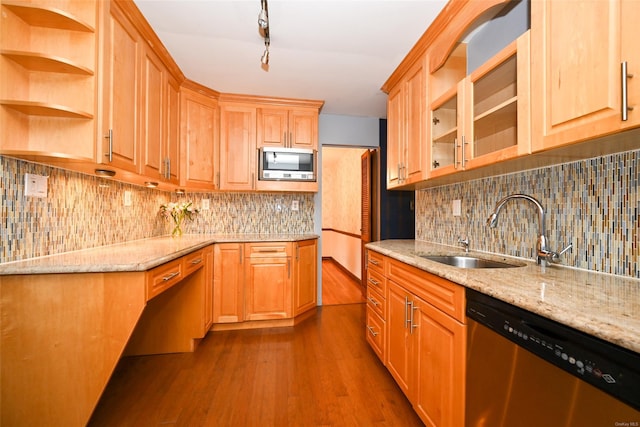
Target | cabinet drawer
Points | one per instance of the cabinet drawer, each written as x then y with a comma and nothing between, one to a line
376,334
163,277
375,302
376,262
193,261
268,249
441,293
377,281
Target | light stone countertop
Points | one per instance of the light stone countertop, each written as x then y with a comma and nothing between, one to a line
603,305
136,255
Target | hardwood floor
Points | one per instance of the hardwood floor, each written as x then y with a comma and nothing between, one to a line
320,372
337,286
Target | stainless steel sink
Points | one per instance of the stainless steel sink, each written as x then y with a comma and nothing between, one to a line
461,261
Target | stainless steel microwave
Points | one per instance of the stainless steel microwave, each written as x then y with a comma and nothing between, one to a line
287,164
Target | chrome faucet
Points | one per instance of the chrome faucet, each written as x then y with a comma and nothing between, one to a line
465,242
543,252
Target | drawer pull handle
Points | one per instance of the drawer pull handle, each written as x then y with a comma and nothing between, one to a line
374,282
373,301
267,250
196,261
371,331
373,261
170,276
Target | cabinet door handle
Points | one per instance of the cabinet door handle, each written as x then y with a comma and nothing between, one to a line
288,268
463,151
290,139
168,168
297,252
407,315
109,136
240,254
170,276
413,325
455,153
371,331
625,94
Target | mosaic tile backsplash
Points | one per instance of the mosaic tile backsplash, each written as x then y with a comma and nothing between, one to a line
593,204
83,211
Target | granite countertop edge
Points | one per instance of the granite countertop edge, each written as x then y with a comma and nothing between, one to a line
602,305
136,255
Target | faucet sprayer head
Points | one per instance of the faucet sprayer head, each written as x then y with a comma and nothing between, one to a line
492,220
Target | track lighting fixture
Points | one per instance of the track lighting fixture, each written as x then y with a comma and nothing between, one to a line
263,28
263,16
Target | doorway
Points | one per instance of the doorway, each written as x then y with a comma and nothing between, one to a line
341,225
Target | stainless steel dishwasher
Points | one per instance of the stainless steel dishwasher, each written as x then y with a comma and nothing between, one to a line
527,371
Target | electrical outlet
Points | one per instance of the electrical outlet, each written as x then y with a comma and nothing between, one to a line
295,205
204,204
127,198
35,185
457,207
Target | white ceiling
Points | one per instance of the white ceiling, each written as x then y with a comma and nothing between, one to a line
339,51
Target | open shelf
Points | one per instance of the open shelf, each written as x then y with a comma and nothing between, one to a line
48,17
44,109
42,62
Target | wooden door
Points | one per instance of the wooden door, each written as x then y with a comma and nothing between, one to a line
303,129
439,357
228,283
272,127
576,81
268,288
121,88
305,289
238,152
395,135
399,337
198,140
366,206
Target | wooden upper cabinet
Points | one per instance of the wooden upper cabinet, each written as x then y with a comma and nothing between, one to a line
286,127
238,152
406,161
160,120
48,80
198,140
630,13
121,92
499,107
153,96
576,83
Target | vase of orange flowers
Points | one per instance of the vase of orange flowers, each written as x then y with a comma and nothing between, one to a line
178,213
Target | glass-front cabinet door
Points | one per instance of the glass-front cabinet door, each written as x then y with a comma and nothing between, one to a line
499,126
446,135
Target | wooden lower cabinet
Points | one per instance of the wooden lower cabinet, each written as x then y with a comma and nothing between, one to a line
228,283
305,276
425,347
268,286
262,281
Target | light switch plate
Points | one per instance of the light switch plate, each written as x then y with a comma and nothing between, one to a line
127,198
35,185
204,204
295,205
457,207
